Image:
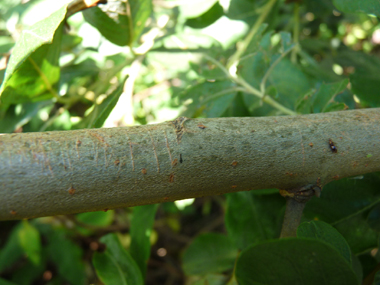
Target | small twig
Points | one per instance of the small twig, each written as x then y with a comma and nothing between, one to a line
292,219
80,5
295,203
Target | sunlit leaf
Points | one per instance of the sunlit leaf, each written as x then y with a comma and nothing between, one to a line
33,70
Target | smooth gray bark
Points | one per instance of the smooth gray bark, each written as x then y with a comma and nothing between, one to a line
67,172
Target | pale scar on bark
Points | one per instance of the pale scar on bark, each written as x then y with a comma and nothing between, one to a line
179,127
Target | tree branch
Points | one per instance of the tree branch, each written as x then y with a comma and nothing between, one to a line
67,172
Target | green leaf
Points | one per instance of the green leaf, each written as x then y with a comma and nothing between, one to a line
248,221
335,106
290,81
100,113
33,68
349,214
29,272
30,242
141,229
117,30
326,94
196,9
293,261
11,250
326,233
207,18
358,233
123,27
6,282
105,108
67,257
19,115
366,78
115,265
99,218
140,13
365,87
209,99
209,253
286,41
355,6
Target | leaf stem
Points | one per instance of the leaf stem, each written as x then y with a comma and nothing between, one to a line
296,33
244,44
270,69
292,218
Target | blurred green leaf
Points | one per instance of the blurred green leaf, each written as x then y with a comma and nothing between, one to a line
100,218
345,204
67,256
140,231
293,261
366,76
115,265
207,18
326,94
289,81
117,30
344,198
6,282
29,272
211,279
33,68
11,250
248,221
196,9
18,115
362,6
140,13
30,242
358,233
209,99
286,41
209,253
326,233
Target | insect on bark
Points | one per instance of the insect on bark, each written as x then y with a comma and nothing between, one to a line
332,146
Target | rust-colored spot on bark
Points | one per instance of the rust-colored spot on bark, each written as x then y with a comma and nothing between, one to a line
79,143
166,198
116,162
365,165
13,212
289,173
171,177
144,171
234,163
71,190
311,144
105,210
355,163
201,126
336,177
233,186
175,162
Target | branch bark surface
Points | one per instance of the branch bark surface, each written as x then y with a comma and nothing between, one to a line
67,172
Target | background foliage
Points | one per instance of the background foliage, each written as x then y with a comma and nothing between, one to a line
139,62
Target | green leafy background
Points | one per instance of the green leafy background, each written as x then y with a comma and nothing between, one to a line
137,62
